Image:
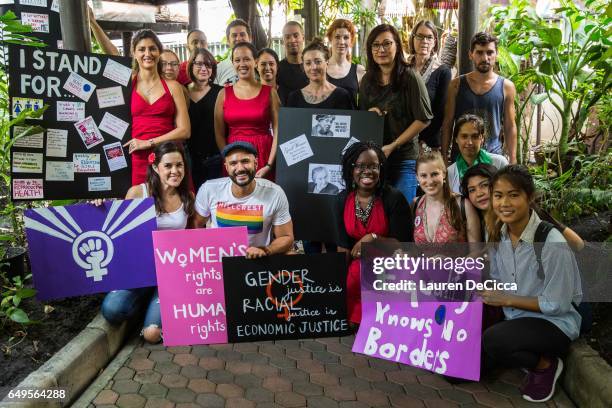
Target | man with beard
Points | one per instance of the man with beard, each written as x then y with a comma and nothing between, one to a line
236,32
483,93
242,200
291,75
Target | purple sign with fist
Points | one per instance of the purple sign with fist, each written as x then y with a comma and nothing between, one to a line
83,249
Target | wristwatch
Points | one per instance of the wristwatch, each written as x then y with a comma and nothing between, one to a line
374,236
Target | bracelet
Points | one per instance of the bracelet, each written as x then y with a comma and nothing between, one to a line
151,143
268,165
374,236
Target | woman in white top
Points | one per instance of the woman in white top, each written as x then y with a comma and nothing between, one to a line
174,205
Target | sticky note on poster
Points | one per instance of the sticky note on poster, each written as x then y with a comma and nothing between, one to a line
90,135
27,162
27,189
117,72
86,162
33,141
57,140
99,184
55,6
39,22
79,86
70,111
113,125
114,156
296,150
35,3
59,171
21,104
108,97
351,142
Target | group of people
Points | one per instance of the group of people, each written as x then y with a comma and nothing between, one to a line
227,113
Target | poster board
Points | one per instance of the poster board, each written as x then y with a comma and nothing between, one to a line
311,143
41,15
285,297
83,249
80,154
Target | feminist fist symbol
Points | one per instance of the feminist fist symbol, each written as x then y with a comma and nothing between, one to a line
92,250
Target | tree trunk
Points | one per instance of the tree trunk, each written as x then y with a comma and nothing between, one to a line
247,10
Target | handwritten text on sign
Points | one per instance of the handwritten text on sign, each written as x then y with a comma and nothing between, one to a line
190,282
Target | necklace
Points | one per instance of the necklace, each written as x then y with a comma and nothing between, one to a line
148,91
363,214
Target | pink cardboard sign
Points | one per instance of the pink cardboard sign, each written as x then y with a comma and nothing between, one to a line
190,282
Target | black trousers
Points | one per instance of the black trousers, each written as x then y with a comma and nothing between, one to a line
521,342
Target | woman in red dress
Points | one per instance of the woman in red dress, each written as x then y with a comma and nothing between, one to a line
368,210
248,111
159,111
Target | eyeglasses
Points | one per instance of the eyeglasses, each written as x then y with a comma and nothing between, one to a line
170,64
361,167
422,37
386,45
200,65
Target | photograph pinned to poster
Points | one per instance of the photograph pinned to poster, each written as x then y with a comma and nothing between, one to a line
21,104
296,150
114,156
351,142
59,171
325,178
109,97
86,162
33,141
113,125
27,189
99,184
117,72
70,111
89,132
326,125
57,141
38,21
27,162
79,86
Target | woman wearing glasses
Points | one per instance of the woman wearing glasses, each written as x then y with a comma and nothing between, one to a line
205,157
393,90
367,210
424,60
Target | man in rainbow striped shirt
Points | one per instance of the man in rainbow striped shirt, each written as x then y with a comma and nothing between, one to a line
242,200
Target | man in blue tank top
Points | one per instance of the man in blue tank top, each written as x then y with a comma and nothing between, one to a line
484,93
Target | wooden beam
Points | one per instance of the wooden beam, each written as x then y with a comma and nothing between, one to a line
193,14
74,22
159,28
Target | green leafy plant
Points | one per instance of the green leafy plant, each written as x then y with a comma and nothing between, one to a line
568,56
12,295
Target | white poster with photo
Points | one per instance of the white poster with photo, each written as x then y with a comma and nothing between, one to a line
39,22
296,150
27,162
109,97
59,171
351,142
34,141
57,141
117,72
21,104
79,86
113,125
89,132
325,178
86,162
326,125
99,183
114,156
70,111
27,189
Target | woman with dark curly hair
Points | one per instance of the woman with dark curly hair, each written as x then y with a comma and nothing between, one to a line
367,210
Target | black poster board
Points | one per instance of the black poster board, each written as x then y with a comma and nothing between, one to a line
285,297
42,16
87,121
300,130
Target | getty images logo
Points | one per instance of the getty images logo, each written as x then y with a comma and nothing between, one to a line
91,250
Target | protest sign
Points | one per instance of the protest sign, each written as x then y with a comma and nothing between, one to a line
285,297
88,112
404,318
311,143
191,282
83,249
42,15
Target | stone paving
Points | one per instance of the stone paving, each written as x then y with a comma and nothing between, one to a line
290,373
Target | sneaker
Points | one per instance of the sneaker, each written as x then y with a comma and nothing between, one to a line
540,384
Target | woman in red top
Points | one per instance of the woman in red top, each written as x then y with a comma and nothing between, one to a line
159,111
248,111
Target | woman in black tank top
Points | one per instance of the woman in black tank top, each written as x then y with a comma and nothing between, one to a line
341,72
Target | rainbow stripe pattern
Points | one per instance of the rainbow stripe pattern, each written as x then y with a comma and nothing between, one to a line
238,215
